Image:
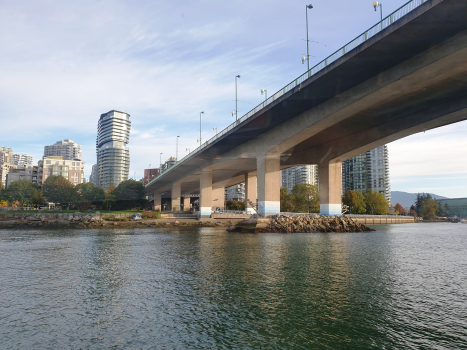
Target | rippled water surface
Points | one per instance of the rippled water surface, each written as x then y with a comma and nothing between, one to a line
401,287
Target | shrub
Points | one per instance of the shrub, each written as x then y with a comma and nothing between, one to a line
150,214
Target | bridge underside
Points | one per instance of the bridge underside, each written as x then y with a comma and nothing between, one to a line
409,78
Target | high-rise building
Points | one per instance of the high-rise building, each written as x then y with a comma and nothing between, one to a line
67,149
113,156
93,177
23,172
307,174
72,170
235,192
369,170
22,159
6,163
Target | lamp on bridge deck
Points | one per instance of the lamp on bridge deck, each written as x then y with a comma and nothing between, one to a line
375,5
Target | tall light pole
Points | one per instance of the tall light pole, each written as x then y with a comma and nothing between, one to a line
176,151
236,111
214,128
160,161
200,127
375,5
265,92
307,7
187,149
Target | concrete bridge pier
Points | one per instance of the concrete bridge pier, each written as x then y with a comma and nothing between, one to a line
218,195
157,201
205,191
330,188
250,192
176,195
186,203
269,184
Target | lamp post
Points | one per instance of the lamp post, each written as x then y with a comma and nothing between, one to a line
377,4
176,151
307,7
214,128
236,111
187,149
200,127
160,161
265,92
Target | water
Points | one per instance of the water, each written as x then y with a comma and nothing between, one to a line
401,287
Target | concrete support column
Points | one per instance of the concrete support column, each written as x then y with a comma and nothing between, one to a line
250,192
176,195
186,204
157,201
218,197
269,184
205,191
330,188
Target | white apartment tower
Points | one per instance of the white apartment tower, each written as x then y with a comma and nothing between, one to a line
113,156
298,175
369,170
67,149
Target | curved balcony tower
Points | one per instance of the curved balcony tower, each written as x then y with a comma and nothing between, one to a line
113,156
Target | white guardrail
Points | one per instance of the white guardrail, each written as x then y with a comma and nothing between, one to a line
386,22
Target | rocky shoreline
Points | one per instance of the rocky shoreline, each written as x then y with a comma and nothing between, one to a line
80,221
307,223
283,223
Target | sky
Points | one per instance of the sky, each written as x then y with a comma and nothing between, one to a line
64,63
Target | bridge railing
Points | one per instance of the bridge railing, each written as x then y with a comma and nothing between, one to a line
386,22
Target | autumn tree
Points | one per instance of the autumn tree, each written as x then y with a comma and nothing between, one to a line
375,202
21,191
355,201
399,209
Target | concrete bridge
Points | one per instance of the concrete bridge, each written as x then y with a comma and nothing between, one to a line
405,75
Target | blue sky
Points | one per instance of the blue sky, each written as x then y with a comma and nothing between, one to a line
63,63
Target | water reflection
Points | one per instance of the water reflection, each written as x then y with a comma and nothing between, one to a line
399,287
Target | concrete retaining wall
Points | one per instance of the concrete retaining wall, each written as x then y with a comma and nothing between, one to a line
383,219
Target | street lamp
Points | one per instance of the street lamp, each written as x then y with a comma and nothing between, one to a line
176,151
265,92
236,111
160,160
375,5
187,149
307,7
200,127
214,128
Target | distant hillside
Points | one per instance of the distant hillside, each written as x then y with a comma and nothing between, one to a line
407,199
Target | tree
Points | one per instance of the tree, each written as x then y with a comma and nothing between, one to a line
129,194
37,197
21,191
429,208
235,205
57,189
421,197
90,192
356,202
375,202
305,198
286,201
399,209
